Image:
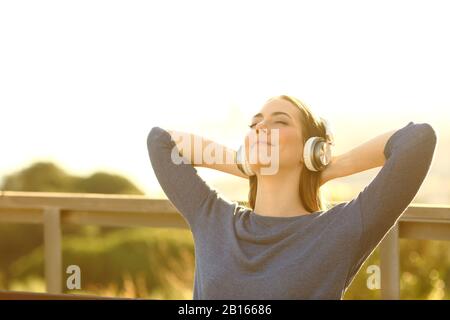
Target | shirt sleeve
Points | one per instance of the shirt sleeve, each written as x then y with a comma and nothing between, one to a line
184,188
376,209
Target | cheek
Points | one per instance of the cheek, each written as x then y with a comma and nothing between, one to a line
291,146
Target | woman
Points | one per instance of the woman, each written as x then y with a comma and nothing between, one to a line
286,244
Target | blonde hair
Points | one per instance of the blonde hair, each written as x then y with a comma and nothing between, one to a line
309,187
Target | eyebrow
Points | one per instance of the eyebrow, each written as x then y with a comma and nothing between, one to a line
276,113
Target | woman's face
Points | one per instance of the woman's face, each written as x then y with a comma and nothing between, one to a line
276,114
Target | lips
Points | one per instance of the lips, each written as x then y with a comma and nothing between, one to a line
262,142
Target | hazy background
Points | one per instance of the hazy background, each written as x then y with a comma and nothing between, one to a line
83,82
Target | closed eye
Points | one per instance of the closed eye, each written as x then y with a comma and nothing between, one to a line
252,125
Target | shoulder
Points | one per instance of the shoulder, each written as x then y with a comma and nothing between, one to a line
218,206
346,216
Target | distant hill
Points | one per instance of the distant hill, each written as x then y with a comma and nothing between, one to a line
48,177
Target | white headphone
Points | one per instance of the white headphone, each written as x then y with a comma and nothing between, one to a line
316,152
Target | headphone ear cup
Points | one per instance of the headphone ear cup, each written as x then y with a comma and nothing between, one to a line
316,154
325,154
320,155
308,153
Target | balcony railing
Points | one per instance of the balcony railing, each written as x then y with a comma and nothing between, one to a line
427,222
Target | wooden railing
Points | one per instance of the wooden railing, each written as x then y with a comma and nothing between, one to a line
430,222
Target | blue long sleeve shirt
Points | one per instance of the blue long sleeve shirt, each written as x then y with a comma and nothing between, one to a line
242,255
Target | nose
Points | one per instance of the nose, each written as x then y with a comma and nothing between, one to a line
261,126
262,132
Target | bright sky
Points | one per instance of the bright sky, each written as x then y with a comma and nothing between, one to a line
83,82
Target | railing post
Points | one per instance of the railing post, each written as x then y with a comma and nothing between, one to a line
52,250
390,265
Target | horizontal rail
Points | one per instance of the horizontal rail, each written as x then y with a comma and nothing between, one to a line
52,209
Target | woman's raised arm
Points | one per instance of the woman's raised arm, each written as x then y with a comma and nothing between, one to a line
203,152
366,156
405,155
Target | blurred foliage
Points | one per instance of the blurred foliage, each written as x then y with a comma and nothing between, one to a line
424,272
159,263
48,177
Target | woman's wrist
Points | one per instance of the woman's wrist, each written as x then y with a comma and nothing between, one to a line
329,173
365,156
339,166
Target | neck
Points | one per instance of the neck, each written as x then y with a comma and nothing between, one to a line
278,195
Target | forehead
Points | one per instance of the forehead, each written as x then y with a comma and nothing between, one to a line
280,105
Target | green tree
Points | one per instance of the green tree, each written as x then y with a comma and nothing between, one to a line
49,177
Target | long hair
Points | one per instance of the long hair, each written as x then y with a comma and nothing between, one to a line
309,187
